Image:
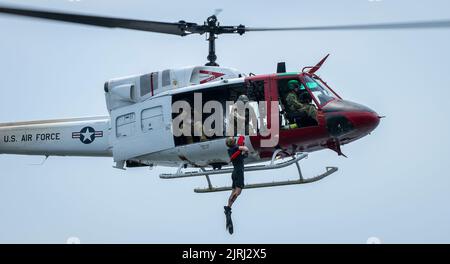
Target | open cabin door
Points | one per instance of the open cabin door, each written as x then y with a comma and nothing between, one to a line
142,128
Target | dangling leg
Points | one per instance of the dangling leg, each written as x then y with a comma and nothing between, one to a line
227,208
234,194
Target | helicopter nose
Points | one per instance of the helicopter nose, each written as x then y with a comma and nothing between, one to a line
364,121
348,117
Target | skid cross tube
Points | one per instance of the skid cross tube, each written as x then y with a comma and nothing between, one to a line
329,171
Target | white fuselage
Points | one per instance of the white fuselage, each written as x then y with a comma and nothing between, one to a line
138,128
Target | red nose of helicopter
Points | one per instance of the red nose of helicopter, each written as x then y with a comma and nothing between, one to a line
365,122
345,118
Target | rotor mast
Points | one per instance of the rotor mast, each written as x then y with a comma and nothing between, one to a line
212,24
213,28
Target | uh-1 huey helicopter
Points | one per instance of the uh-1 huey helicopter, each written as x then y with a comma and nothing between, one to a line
138,130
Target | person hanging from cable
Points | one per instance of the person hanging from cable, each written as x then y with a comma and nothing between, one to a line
237,152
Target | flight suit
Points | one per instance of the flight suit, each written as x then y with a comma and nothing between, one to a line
296,108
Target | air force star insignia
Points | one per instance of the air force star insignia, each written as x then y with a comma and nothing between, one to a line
87,135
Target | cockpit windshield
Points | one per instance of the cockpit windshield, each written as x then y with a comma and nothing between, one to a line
320,91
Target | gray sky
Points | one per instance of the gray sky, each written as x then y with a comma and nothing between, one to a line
393,186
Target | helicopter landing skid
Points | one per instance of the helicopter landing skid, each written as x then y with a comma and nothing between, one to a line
272,165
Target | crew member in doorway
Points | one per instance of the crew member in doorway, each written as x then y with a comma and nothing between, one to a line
243,119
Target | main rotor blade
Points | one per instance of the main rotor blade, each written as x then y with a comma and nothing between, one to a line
181,28
402,25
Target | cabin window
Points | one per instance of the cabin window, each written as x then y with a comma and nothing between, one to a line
166,78
125,125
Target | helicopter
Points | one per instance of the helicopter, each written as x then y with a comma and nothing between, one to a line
139,130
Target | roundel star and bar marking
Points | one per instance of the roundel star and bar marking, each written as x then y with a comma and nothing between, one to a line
87,135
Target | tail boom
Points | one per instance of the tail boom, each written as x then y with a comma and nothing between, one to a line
60,137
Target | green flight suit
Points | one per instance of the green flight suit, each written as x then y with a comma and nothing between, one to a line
295,107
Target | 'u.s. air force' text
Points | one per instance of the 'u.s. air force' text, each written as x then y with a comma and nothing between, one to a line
32,137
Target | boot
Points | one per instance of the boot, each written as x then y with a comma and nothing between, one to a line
229,222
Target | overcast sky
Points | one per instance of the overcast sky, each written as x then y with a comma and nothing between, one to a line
394,185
